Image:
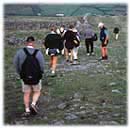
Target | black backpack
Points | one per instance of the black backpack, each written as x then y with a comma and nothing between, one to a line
30,72
95,38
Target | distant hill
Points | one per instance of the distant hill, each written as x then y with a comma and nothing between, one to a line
67,9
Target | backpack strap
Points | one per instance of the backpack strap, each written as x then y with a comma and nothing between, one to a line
35,52
26,52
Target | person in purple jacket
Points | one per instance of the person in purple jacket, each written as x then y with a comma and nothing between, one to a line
89,34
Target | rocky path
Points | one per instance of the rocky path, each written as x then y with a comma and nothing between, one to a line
75,107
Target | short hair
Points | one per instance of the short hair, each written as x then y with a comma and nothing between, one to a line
71,26
53,28
30,39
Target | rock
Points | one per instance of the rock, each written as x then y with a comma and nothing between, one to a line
112,83
45,118
86,104
118,71
103,112
93,108
92,75
116,114
108,123
77,95
116,91
81,113
76,105
46,99
71,109
82,107
62,106
70,116
76,100
18,122
61,122
108,73
116,62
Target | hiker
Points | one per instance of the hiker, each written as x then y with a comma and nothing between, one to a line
69,44
89,34
116,32
29,64
53,44
62,33
76,46
104,38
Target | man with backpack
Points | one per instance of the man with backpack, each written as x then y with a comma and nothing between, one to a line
29,64
89,34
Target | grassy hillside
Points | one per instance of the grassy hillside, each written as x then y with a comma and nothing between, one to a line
66,9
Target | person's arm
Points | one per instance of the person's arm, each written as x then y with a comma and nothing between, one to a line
16,62
61,46
46,42
107,37
41,60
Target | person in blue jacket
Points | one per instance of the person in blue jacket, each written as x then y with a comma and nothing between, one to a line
104,38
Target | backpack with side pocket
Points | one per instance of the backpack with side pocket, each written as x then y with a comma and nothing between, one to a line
30,71
95,38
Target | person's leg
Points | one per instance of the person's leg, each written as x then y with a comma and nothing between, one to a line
35,97
66,54
54,63
117,36
102,52
27,101
75,53
105,53
71,55
91,43
51,62
26,95
87,46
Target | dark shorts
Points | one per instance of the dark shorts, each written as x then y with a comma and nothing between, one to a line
104,45
53,52
69,45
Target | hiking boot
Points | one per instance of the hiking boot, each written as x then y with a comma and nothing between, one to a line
92,54
71,62
88,54
53,74
67,61
26,114
34,109
75,62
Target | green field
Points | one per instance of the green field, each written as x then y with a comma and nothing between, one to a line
93,92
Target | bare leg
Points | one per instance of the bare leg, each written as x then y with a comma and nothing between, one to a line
54,63
35,97
26,100
71,55
66,54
